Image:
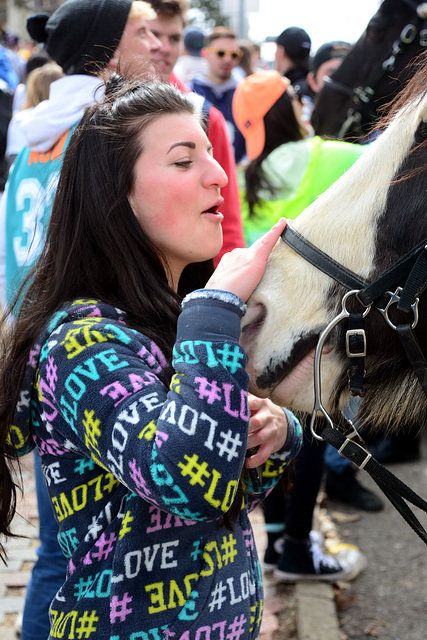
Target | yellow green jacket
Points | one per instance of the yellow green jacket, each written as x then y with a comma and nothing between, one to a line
299,172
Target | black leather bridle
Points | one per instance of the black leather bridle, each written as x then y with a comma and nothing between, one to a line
363,96
412,270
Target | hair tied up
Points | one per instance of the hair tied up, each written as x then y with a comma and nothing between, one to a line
36,27
114,85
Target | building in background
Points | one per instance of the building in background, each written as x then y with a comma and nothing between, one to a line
14,13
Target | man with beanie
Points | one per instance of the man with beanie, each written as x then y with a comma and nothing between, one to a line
86,38
168,27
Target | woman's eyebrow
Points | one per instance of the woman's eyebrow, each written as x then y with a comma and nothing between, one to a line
184,143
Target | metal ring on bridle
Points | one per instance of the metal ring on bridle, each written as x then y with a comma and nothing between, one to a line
318,406
394,299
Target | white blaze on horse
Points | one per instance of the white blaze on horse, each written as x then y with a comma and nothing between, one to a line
373,215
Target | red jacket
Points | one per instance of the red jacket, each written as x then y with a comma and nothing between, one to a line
232,227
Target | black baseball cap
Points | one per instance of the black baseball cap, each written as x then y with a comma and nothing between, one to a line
296,42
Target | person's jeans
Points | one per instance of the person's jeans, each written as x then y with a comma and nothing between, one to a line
333,460
48,573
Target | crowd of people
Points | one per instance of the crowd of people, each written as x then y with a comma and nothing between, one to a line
149,169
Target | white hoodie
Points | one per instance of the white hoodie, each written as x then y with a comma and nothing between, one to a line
68,98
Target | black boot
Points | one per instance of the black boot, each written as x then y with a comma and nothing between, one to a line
397,448
346,487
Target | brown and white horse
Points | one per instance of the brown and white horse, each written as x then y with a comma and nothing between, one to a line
374,214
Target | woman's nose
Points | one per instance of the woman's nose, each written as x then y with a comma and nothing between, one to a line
217,176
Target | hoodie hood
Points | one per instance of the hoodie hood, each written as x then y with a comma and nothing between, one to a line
21,436
68,98
217,89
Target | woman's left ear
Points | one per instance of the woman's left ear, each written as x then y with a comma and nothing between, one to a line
130,200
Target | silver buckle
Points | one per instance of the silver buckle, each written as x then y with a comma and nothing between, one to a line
355,332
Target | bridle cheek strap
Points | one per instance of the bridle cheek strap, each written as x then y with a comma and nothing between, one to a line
413,267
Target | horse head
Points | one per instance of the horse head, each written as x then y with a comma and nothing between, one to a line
373,71
374,214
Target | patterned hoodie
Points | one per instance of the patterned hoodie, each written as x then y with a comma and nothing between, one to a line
140,474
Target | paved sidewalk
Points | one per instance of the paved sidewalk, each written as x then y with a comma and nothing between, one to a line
312,605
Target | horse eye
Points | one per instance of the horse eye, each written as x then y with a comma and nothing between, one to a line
376,29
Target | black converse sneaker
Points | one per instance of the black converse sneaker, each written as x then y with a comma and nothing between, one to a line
305,560
273,550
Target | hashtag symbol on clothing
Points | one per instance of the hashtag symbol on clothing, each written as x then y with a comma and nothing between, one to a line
119,608
260,613
124,529
229,445
83,465
51,370
195,470
105,546
175,383
249,541
228,548
186,514
218,599
198,551
236,628
232,357
93,529
83,586
86,624
92,430
208,390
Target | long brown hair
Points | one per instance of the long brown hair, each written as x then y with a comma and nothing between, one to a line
281,125
94,245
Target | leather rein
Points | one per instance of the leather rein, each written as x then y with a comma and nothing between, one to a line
382,294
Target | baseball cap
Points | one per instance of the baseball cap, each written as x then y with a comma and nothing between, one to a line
295,41
194,41
253,98
329,51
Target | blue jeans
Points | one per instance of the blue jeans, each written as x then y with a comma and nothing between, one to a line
48,573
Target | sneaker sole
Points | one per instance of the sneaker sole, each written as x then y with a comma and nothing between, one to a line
285,576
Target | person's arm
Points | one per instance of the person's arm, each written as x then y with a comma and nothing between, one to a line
232,226
181,447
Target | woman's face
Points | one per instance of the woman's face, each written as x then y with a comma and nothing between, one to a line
176,192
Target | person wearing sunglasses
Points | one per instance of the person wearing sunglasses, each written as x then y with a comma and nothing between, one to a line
222,52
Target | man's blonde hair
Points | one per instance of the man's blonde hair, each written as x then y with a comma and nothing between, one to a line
141,9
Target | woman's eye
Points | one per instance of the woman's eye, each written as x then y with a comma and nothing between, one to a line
184,163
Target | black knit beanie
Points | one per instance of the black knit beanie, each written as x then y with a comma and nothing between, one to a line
81,35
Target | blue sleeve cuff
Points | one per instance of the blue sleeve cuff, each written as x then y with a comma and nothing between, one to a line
210,314
225,297
293,442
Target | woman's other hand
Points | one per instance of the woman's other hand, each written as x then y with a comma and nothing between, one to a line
268,430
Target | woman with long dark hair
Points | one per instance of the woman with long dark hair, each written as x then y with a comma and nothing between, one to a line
135,396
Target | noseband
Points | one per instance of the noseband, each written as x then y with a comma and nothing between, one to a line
411,268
